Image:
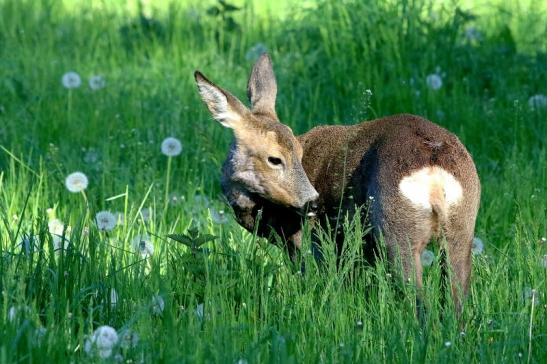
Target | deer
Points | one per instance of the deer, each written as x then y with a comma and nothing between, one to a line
417,179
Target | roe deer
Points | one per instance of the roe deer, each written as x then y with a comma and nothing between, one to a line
419,179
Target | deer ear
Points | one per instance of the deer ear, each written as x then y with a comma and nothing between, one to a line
224,107
262,87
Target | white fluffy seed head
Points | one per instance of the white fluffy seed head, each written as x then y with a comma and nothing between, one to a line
537,102
158,305
478,246
76,182
200,311
171,147
12,314
434,81
102,342
427,258
56,227
106,221
142,244
96,82
218,216
129,339
71,80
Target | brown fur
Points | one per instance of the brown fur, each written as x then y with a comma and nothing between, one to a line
349,166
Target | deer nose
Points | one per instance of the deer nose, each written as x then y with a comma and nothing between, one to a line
309,203
312,208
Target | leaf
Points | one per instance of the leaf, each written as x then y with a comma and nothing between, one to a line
231,24
213,11
183,239
202,239
193,232
228,7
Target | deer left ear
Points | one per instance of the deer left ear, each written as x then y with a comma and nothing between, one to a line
262,86
224,107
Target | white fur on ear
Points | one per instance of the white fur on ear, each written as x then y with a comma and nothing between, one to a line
217,102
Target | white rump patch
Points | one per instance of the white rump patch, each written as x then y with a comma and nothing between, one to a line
419,185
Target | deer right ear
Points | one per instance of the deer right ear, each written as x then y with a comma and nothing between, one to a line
224,107
262,87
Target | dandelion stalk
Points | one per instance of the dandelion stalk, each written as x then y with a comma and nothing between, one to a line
69,107
531,326
167,179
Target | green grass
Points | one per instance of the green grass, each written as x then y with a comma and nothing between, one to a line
256,306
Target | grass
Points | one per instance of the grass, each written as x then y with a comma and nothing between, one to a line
256,306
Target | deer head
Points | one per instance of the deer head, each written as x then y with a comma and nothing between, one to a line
266,158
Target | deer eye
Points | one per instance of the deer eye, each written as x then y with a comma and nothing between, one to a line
275,161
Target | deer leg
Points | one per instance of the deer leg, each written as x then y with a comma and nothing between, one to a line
457,267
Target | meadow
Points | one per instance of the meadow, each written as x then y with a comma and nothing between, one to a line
96,87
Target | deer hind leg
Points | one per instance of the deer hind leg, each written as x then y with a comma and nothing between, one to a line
406,232
457,265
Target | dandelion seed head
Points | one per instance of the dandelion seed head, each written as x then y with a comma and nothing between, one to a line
12,314
56,227
531,295
447,344
175,198
39,335
143,244
59,243
537,102
102,342
106,221
434,81
129,339
171,147
76,182
218,217
478,246
427,258
200,311
158,304
91,156
71,80
472,34
97,82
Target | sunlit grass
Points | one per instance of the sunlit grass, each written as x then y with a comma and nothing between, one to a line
236,298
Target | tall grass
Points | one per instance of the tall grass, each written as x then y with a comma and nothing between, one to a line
236,297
